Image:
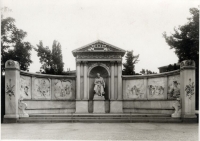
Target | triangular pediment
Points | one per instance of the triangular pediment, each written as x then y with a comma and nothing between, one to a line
98,46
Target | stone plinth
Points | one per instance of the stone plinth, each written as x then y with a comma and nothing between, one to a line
116,107
187,89
99,106
82,106
96,97
12,77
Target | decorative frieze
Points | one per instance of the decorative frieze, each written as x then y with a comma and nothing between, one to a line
99,56
135,89
62,88
10,89
25,87
156,88
42,88
189,89
99,46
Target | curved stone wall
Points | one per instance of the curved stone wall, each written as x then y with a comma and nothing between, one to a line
154,93
48,93
151,87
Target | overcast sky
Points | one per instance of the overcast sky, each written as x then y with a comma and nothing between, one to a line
129,24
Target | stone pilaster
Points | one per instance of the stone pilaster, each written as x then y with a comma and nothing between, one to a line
78,96
119,88
146,87
85,97
12,91
112,81
187,89
166,87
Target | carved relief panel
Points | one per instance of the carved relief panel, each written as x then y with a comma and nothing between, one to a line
25,87
63,89
135,89
155,89
173,90
42,88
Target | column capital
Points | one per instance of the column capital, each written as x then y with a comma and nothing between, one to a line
78,62
85,62
112,62
119,62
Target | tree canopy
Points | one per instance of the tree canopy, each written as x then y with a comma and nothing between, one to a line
185,39
129,66
143,71
12,44
52,61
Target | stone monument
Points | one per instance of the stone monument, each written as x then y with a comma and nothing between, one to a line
97,93
99,85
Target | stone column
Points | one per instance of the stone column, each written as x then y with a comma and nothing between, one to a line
119,88
187,90
85,97
12,91
81,105
112,81
146,87
78,96
165,87
116,105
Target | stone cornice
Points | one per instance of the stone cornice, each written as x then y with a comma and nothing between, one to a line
10,64
47,75
187,64
176,72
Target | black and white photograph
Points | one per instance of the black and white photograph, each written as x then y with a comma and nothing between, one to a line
100,70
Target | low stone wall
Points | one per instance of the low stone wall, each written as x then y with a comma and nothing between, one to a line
166,93
154,93
47,93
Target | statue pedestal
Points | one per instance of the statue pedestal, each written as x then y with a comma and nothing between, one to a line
96,97
99,104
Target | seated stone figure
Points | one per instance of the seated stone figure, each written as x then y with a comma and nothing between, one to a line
99,85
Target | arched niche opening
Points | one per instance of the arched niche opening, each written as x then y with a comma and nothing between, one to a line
92,75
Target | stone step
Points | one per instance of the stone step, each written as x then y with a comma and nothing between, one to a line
94,118
158,120
98,118
99,115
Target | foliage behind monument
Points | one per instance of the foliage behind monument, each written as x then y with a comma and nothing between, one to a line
52,61
12,44
185,41
129,66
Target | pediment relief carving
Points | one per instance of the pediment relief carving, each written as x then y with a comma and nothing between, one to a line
98,47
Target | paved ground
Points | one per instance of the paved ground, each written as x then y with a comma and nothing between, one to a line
101,131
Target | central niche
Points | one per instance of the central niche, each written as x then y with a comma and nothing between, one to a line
93,74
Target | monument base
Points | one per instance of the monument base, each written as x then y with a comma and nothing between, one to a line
116,107
189,118
99,106
82,106
97,97
12,118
